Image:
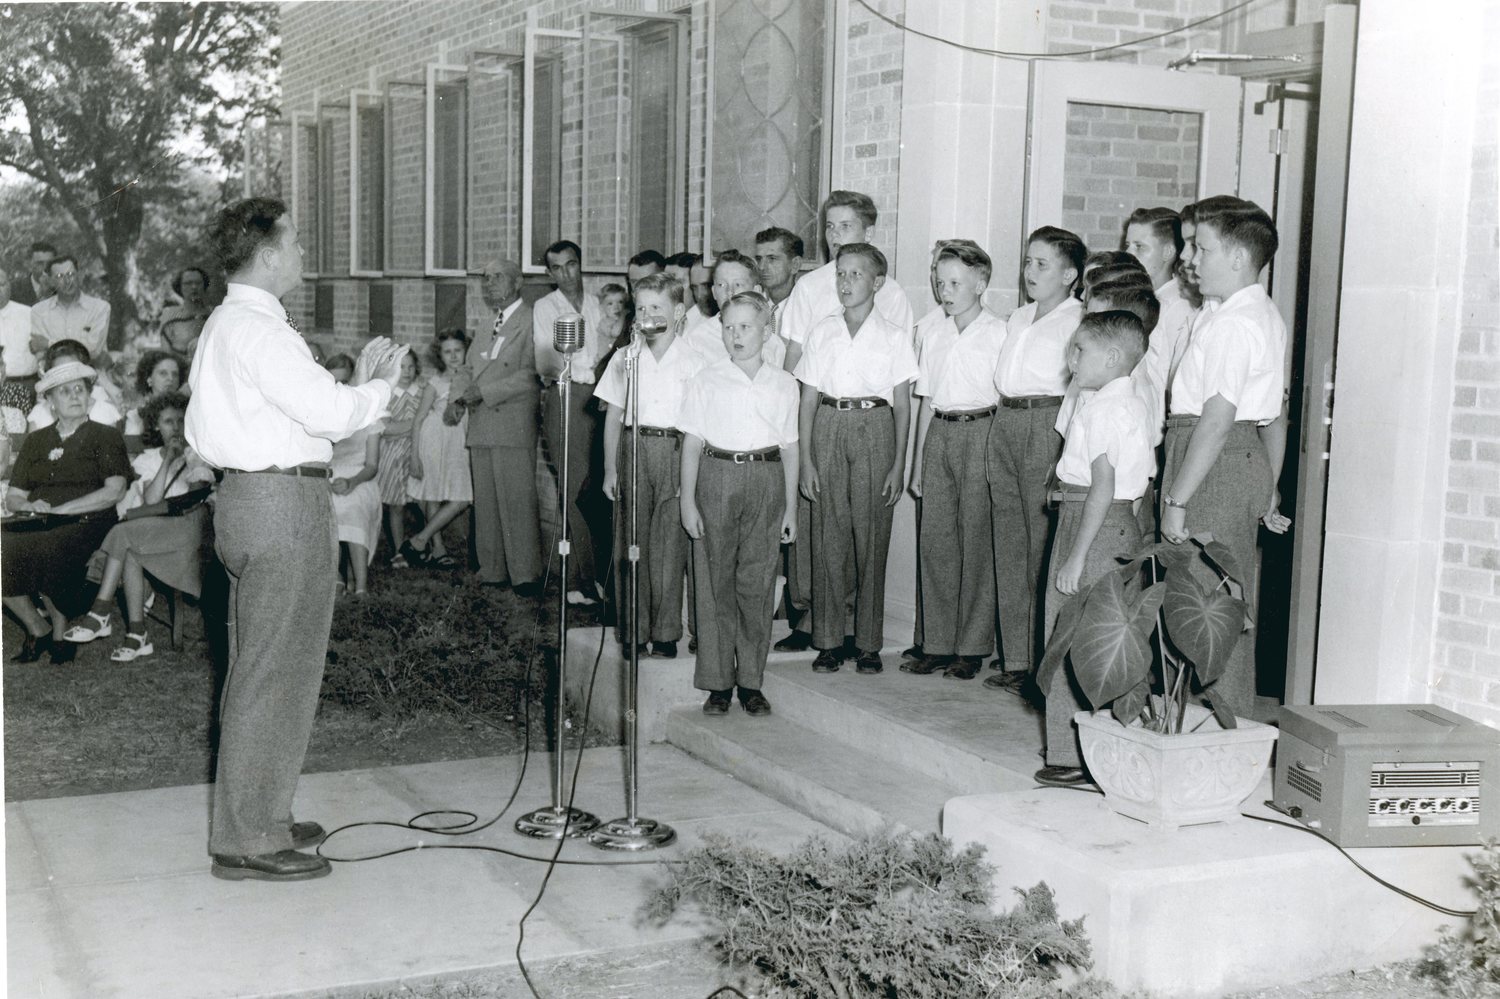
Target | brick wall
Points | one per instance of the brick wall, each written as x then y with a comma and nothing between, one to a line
1466,654
870,159
1120,159
1090,24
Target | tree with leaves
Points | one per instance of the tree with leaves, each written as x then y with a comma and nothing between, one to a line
110,106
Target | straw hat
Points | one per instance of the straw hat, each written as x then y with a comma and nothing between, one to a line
61,374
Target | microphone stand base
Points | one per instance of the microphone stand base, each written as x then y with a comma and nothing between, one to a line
555,822
632,835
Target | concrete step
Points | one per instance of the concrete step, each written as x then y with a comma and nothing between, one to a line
841,785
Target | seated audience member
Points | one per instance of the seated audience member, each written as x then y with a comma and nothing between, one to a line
69,314
158,372
15,343
33,285
355,496
160,540
76,471
102,408
181,323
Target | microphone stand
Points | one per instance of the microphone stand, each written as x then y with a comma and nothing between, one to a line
560,820
633,833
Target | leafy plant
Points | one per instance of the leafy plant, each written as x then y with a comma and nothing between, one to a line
1467,963
882,917
1106,632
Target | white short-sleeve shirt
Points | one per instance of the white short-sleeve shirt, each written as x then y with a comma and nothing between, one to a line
1112,422
549,363
707,338
816,296
956,371
871,363
663,382
1034,359
1236,351
1170,338
728,409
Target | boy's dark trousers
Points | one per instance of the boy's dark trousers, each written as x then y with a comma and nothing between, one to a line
1228,504
734,567
663,542
852,452
1023,451
1119,535
957,561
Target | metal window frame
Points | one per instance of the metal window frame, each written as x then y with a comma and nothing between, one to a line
505,61
390,155
430,179
297,120
327,219
354,169
528,124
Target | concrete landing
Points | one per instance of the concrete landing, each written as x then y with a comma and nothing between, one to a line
1214,908
110,895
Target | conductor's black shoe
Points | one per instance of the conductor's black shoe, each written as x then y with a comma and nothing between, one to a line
1061,776
797,641
666,650
718,702
527,591
285,865
33,648
306,834
754,703
926,665
868,663
828,661
63,652
1011,680
915,652
964,668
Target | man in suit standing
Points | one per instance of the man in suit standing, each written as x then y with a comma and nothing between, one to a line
501,397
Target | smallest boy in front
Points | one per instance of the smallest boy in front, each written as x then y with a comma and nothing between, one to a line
1106,466
739,490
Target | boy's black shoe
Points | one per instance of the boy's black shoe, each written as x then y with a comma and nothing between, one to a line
797,641
1009,680
964,668
643,650
527,591
718,702
754,703
915,652
1061,777
868,663
828,661
926,665
666,650
693,643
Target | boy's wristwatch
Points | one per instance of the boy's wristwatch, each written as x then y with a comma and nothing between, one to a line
1168,500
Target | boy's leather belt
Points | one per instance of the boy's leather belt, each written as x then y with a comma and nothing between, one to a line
307,471
862,402
741,457
658,431
1031,401
1191,420
964,416
1069,493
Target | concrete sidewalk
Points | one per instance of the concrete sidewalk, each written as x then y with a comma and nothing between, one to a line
110,895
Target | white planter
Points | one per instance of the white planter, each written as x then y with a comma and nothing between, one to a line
1175,780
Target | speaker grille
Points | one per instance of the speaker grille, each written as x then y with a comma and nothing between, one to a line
1305,782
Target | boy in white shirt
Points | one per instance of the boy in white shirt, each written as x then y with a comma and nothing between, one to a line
1105,469
1226,432
1154,236
856,371
667,365
739,484
956,360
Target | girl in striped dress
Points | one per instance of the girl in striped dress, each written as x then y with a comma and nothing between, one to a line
395,452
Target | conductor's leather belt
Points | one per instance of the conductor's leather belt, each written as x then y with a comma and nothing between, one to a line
305,471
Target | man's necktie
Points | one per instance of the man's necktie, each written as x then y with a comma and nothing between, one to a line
293,323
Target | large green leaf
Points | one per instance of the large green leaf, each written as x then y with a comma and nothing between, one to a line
1220,555
1145,605
1110,655
1222,713
1128,706
1203,625
1063,630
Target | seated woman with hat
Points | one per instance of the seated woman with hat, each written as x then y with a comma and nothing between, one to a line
63,490
166,545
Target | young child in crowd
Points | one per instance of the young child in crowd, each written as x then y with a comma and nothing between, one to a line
739,485
1106,465
856,371
356,497
667,364
439,476
1226,432
614,302
1031,377
956,361
395,455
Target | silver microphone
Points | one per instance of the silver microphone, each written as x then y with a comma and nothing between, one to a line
651,328
567,334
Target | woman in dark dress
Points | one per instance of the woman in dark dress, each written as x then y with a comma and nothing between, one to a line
74,471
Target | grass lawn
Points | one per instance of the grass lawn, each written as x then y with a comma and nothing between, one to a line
430,667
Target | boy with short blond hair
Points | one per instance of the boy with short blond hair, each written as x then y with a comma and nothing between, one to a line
856,371
739,483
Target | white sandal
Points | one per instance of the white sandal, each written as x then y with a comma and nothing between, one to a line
83,633
127,652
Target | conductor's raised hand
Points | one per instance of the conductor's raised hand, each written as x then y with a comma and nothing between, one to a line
380,358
